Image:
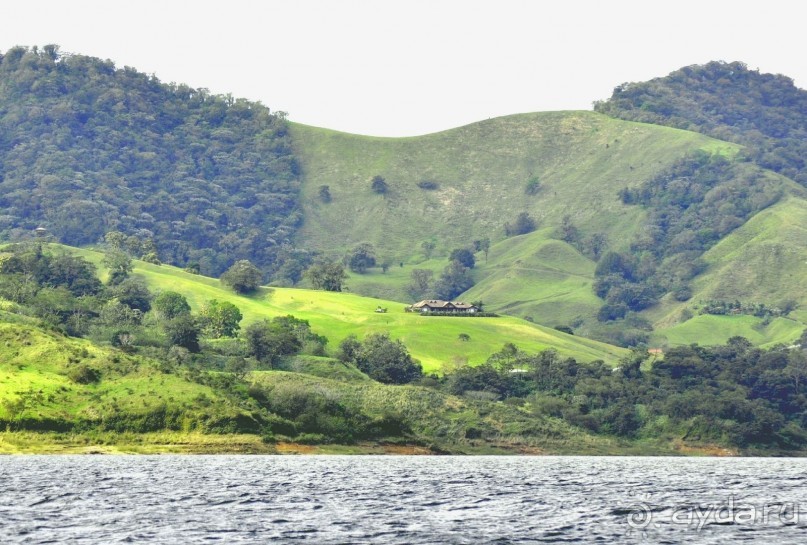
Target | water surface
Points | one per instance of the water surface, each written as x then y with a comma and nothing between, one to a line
401,500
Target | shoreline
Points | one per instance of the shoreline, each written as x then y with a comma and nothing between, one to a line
49,443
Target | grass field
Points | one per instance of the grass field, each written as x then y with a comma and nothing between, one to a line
35,365
715,330
432,340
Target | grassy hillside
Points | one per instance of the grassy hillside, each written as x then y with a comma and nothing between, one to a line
539,277
580,158
434,341
36,385
138,405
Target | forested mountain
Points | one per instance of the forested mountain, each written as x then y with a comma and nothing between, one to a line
765,112
87,148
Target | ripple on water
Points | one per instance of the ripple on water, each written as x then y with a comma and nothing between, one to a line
412,500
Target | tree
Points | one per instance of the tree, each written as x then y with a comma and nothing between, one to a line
134,293
170,304
267,341
533,186
419,283
324,193
310,342
379,185
428,247
595,245
115,313
456,278
568,231
328,276
361,258
482,245
115,239
349,349
614,263
464,256
220,319
238,366
183,331
382,358
523,224
119,264
242,277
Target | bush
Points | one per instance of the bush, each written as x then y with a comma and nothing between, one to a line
84,374
428,185
378,185
533,186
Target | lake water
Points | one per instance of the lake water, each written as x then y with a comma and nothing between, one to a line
396,499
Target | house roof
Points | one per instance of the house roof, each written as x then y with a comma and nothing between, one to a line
439,303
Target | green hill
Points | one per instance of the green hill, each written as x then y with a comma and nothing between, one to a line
87,148
432,340
581,160
135,404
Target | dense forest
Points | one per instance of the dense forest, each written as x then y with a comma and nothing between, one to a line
766,113
87,148
734,394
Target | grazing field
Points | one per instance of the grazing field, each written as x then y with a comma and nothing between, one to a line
433,340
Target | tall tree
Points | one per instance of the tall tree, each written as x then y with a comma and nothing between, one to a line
242,277
327,275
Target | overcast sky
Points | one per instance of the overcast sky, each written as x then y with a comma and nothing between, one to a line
395,68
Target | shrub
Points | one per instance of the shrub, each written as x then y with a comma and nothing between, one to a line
84,374
533,186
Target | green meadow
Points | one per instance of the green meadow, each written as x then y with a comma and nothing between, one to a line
432,340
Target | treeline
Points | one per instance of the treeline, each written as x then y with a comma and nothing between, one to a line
766,113
730,395
87,148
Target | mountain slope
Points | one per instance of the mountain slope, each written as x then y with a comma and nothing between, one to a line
581,159
762,262
765,112
87,148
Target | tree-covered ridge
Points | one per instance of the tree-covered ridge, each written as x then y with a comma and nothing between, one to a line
765,112
87,148
690,206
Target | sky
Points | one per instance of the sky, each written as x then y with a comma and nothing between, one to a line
411,67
